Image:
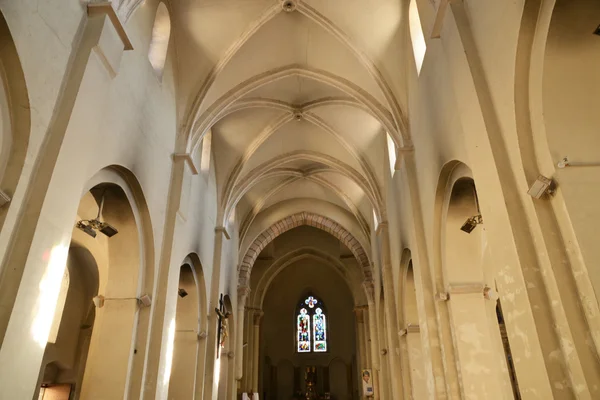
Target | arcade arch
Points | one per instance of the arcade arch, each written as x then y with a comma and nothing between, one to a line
189,349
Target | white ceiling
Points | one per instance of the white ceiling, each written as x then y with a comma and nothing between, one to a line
298,102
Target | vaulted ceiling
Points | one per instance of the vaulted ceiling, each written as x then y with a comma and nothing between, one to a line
298,97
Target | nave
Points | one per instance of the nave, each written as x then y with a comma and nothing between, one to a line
299,199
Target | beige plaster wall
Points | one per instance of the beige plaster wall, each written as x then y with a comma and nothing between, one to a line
126,120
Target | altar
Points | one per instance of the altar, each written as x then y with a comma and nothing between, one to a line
310,383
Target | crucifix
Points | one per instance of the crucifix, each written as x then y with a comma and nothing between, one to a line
222,332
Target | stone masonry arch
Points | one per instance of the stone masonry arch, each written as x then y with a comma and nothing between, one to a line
294,221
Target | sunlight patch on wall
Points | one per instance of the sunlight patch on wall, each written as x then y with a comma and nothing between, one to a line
48,295
169,352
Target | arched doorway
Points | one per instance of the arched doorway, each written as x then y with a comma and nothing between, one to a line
105,288
466,272
69,340
296,344
15,119
187,371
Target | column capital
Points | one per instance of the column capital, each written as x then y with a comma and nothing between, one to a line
359,313
369,286
242,292
382,226
258,314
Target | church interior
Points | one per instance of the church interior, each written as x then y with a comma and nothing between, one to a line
299,200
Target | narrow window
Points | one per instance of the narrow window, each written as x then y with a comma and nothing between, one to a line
206,151
391,147
416,35
159,44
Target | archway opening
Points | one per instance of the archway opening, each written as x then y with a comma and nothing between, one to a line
66,352
92,340
187,354
300,349
467,268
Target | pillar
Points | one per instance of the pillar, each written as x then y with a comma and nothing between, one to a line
255,362
372,315
243,292
106,372
211,346
414,361
438,351
390,311
360,344
200,365
474,348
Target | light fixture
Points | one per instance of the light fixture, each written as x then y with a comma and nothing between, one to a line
98,300
541,186
144,301
4,198
92,225
182,293
471,223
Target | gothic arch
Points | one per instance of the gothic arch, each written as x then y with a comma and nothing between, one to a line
15,117
259,291
293,221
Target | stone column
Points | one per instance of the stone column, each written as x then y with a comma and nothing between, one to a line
249,365
474,348
200,365
361,343
211,351
414,361
243,292
438,352
390,311
370,290
255,362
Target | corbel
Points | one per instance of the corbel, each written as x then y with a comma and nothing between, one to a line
466,288
187,157
105,7
223,230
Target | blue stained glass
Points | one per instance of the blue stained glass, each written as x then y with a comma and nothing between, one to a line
320,330
303,328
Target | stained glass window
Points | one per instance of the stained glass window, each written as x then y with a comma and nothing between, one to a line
311,325
303,331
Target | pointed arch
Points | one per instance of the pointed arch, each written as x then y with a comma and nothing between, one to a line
293,221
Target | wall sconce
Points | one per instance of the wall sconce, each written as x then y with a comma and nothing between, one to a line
92,225
540,187
471,223
182,293
144,301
